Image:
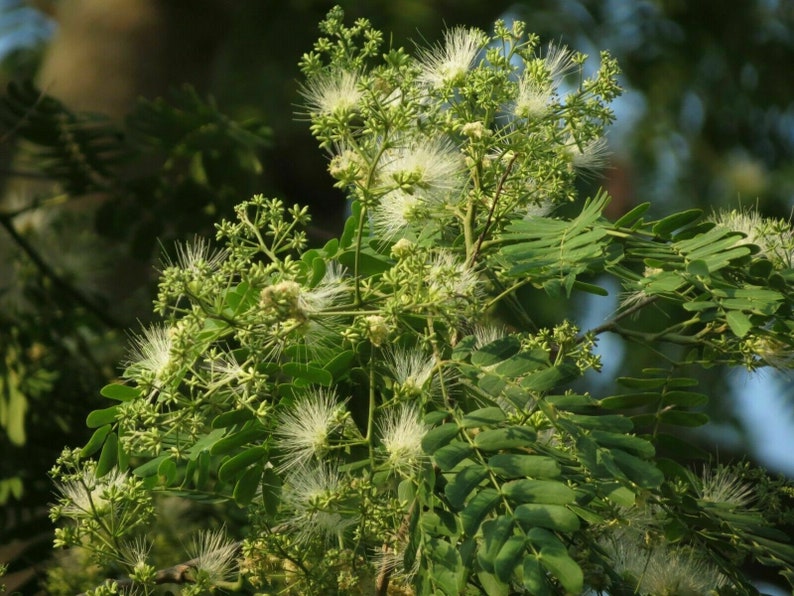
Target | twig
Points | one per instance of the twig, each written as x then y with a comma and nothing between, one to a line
610,325
491,211
64,286
176,574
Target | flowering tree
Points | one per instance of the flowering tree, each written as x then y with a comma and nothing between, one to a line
387,411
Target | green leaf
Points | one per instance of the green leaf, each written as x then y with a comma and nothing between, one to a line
505,438
234,465
167,470
150,467
627,220
491,585
109,456
683,418
590,288
231,418
698,268
120,392
463,483
509,557
483,417
553,517
246,486
644,473
549,378
439,523
340,364
478,508
535,577
514,465
450,455
666,226
538,491
738,322
101,417
630,443
494,532
271,491
446,568
608,422
308,374
496,351
96,441
684,399
622,496
522,363
439,436
628,400
253,431
555,558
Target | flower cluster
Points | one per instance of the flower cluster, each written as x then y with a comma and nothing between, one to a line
393,410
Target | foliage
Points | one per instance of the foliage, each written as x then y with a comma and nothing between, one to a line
68,292
386,409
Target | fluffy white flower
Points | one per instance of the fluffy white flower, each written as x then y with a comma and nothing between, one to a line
721,486
304,429
592,155
449,279
311,492
197,256
539,81
487,333
449,62
432,168
150,352
135,554
402,431
774,237
332,92
411,369
213,555
89,494
395,213
329,291
665,570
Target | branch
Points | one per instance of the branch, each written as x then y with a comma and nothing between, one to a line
491,211
64,286
176,574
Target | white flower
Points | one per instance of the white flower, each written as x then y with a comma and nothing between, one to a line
197,256
90,495
488,333
213,555
411,369
774,237
538,83
135,554
448,63
395,213
304,429
721,486
592,155
662,570
312,493
329,291
402,431
150,352
431,168
449,279
332,92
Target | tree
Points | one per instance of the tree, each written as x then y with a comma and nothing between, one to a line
388,411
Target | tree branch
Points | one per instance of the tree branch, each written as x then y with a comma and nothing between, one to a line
64,286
